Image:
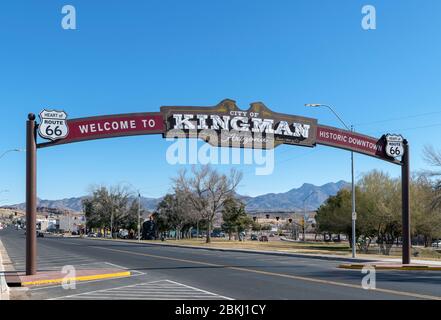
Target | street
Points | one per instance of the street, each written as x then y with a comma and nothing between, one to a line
165,272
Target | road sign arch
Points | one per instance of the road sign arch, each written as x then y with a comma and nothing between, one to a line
221,125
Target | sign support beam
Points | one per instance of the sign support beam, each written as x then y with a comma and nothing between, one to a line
31,196
405,184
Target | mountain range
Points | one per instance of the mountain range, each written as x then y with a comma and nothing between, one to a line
292,200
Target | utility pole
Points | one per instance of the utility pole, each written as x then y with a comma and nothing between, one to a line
139,216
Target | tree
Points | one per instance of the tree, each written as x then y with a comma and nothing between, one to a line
433,158
108,208
334,216
426,218
130,220
207,190
234,217
378,212
382,207
174,212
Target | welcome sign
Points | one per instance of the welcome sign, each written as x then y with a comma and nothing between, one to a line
222,125
225,125
110,126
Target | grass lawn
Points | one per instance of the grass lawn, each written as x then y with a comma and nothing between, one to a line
276,245
342,249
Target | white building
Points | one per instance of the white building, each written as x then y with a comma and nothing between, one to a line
72,222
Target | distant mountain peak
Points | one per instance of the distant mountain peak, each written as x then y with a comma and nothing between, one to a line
291,200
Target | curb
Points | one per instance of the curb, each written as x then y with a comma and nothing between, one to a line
4,289
78,279
275,253
391,267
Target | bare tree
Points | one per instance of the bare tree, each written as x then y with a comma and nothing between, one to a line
207,190
433,158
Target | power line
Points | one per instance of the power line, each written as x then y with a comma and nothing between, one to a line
399,118
412,128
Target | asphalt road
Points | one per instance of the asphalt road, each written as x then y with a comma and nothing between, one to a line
160,272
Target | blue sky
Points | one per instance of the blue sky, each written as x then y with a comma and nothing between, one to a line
134,56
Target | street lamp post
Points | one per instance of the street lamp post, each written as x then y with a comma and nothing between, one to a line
304,214
139,207
139,216
354,214
111,221
11,150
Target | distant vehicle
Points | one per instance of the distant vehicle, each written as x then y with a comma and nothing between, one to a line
217,234
436,244
254,237
40,234
92,235
123,234
263,238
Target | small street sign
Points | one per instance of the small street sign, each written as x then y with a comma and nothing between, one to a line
394,145
53,125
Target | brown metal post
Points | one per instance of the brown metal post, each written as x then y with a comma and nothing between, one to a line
31,197
405,184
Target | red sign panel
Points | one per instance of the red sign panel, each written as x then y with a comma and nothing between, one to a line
112,126
351,141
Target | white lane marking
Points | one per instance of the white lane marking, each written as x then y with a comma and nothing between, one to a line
110,293
227,298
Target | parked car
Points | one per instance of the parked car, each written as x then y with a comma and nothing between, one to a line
40,234
436,244
92,235
123,234
263,238
254,237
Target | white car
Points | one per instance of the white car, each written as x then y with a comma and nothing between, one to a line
437,244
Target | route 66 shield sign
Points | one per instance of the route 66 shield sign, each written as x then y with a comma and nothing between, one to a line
53,125
394,145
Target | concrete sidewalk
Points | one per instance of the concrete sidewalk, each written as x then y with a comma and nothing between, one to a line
4,289
6,268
